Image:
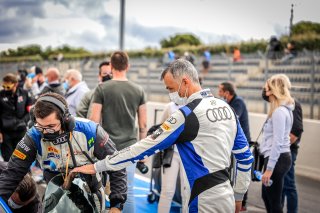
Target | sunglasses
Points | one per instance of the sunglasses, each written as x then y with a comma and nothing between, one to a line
7,86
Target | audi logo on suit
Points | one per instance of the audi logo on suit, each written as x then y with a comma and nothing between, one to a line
219,114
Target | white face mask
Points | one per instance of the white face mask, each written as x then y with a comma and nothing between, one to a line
175,97
13,205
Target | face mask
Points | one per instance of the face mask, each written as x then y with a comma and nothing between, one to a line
8,92
13,205
66,85
264,95
106,78
174,97
39,83
56,138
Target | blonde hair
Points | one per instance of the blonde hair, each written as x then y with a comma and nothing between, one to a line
280,86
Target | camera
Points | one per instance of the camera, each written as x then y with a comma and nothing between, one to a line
142,167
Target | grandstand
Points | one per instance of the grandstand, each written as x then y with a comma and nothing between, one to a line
248,75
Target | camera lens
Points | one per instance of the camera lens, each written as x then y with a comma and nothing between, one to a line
142,167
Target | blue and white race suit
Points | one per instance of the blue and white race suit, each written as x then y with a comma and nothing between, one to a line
205,131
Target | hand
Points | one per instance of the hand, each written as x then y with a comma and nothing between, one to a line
114,210
1,137
67,182
293,138
144,160
86,169
34,79
266,177
238,206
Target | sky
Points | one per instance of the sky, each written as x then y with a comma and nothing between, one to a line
94,24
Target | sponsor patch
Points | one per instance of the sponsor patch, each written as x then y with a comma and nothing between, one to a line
156,133
23,146
63,138
219,114
53,149
19,154
172,120
20,99
165,127
53,155
90,143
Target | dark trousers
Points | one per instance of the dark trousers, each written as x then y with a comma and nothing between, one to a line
289,187
245,198
10,141
272,195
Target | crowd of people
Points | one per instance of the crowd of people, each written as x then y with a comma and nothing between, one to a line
102,133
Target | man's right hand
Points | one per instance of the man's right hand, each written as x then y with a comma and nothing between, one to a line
1,137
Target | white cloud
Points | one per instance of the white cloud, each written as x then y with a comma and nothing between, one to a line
94,25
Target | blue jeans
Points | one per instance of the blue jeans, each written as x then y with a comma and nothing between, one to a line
129,206
289,187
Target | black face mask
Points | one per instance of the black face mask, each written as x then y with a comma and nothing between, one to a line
8,92
106,78
39,83
264,95
56,138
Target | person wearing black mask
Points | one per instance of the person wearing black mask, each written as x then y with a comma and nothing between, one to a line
86,102
15,104
59,141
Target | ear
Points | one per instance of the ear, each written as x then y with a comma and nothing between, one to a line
186,81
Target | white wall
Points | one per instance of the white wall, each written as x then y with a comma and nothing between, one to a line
308,161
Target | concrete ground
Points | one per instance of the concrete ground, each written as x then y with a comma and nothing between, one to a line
308,191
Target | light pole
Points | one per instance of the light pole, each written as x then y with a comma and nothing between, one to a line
122,18
291,20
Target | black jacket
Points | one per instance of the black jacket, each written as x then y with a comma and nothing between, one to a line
14,113
240,108
56,88
297,126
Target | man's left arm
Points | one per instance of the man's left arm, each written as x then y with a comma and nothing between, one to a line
244,159
118,179
142,121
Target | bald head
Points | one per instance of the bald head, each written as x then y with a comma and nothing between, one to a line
52,74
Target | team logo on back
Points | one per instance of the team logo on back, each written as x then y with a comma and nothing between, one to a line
219,114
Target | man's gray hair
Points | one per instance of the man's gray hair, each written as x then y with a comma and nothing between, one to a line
180,68
75,74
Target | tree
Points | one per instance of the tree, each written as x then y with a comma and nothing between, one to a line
304,27
180,39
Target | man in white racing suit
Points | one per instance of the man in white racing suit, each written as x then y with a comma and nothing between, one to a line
205,131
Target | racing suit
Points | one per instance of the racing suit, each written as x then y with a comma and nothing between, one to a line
54,158
205,131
